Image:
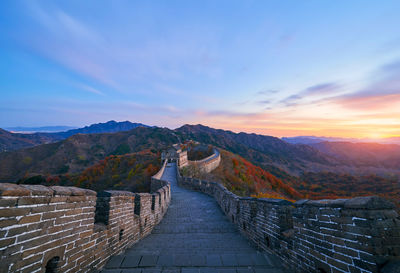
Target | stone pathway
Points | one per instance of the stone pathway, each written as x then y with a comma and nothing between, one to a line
193,237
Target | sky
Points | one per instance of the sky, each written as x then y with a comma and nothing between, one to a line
281,68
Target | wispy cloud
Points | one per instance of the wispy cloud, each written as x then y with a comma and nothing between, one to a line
383,92
266,92
119,61
326,108
90,89
320,91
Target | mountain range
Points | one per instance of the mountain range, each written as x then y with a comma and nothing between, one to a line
283,159
334,169
80,151
13,141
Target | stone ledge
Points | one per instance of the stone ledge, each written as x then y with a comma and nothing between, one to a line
369,202
280,202
9,189
365,202
39,190
72,191
115,193
143,194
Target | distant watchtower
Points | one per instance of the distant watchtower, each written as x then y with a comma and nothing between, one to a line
175,153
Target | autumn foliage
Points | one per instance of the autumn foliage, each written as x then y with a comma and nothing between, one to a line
329,185
130,172
245,179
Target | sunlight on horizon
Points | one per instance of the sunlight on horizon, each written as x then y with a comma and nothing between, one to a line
260,67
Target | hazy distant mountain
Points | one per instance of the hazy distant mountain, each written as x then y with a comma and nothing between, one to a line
108,127
13,141
44,129
314,139
363,154
389,140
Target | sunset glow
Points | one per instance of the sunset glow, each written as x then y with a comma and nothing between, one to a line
268,67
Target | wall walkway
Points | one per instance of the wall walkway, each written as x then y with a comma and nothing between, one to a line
193,237
359,235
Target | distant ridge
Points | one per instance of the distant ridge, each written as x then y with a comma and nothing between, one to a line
13,141
43,129
315,139
111,126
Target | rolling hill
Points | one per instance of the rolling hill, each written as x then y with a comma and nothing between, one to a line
286,160
80,151
131,172
14,141
245,179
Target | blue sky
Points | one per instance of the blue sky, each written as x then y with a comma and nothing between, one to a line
272,67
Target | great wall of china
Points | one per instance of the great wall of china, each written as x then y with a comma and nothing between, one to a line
67,229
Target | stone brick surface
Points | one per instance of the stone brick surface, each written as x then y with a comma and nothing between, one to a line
39,223
343,235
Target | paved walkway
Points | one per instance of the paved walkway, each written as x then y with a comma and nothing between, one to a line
193,237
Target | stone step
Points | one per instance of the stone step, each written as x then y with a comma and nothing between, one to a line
190,252
216,260
256,269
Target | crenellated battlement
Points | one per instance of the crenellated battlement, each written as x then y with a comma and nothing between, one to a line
209,163
345,235
73,229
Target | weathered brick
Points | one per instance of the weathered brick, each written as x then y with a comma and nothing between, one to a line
86,234
30,260
32,268
29,219
33,200
365,265
13,212
9,202
8,189
52,215
16,231
6,242
8,222
29,235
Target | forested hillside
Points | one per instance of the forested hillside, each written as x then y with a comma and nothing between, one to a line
245,179
131,172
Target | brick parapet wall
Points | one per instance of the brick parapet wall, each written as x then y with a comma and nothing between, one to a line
159,174
39,223
209,163
345,235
